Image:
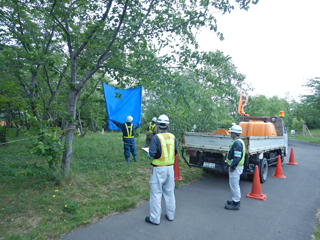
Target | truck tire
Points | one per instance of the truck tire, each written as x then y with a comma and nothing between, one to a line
263,170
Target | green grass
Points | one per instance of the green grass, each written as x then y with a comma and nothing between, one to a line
316,233
36,203
315,138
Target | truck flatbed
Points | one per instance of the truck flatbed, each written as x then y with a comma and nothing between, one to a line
209,142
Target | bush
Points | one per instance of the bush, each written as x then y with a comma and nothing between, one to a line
297,124
47,145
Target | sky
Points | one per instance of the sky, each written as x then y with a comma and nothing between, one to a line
276,44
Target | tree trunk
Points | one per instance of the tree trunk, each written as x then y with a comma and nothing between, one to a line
93,126
71,109
32,95
20,119
80,124
18,128
92,122
26,121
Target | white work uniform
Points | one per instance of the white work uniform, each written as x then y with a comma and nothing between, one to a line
234,178
162,182
236,155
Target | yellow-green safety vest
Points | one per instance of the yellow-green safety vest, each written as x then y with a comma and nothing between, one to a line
167,141
241,163
151,127
129,133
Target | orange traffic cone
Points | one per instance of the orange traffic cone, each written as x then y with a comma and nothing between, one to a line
177,176
291,159
279,173
256,192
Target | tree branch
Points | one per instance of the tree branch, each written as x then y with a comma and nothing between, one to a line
21,29
50,38
102,57
168,30
53,93
59,23
90,93
130,71
63,73
140,24
105,15
25,85
48,81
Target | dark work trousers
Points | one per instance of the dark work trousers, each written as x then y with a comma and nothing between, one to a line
129,146
148,139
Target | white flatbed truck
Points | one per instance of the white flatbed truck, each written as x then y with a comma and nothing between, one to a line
209,150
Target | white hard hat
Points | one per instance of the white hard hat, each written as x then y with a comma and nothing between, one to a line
129,119
163,121
154,119
236,129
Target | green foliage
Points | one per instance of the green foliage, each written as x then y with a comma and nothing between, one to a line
297,124
309,109
48,145
199,101
309,113
260,105
92,108
70,207
317,231
314,98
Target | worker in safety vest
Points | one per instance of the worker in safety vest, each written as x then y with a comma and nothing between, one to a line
128,137
163,149
235,160
151,131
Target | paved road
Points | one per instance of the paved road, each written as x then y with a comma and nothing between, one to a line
288,213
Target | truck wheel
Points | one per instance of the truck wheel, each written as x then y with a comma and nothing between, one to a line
263,170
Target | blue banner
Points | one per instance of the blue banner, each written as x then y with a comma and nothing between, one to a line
119,108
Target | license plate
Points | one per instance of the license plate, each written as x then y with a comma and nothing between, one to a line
209,165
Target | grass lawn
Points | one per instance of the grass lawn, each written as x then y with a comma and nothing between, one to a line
315,138
36,203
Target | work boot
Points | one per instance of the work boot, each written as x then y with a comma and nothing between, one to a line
147,219
135,159
229,202
127,160
233,206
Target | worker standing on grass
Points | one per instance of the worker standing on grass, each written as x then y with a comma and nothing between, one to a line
128,137
235,160
162,151
151,131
